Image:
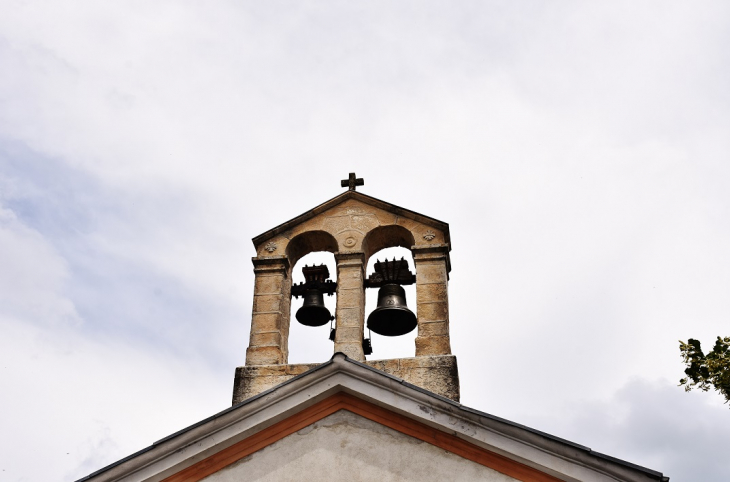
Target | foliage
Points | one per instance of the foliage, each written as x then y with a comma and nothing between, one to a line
707,371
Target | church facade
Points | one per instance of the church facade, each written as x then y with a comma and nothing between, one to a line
352,418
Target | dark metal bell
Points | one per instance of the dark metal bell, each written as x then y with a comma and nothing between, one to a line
392,317
313,312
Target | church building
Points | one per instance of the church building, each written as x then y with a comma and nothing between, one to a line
351,418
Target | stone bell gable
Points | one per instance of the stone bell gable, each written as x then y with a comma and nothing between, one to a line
352,226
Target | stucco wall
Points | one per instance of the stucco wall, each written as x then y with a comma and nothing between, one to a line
345,446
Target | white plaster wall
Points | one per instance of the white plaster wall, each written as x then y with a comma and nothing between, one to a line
345,446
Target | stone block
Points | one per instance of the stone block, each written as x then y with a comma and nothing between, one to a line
245,386
349,297
433,345
351,349
364,222
349,334
431,273
336,224
276,265
385,218
264,370
433,311
349,261
434,328
285,309
431,251
426,361
298,369
264,355
351,280
409,224
391,366
349,316
266,284
432,292
271,338
261,384
266,303
252,380
264,322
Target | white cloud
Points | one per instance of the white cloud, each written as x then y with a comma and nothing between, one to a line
654,424
33,276
86,403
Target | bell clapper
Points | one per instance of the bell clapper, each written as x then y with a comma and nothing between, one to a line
333,330
367,345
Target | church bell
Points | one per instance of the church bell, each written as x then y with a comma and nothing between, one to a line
313,311
392,317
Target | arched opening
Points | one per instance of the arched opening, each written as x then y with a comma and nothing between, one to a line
309,242
381,243
312,343
309,344
386,237
385,347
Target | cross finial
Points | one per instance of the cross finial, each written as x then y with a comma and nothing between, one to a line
352,181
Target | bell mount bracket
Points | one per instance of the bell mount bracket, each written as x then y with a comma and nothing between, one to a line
315,279
390,272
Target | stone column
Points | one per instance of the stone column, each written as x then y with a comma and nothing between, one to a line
432,299
350,312
270,318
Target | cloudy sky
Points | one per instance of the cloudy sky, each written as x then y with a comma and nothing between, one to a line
579,152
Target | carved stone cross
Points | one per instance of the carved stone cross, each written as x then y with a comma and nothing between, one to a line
352,182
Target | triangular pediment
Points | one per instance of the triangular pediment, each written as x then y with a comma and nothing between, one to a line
350,216
346,435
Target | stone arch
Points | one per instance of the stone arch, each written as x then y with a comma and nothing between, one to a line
386,237
309,242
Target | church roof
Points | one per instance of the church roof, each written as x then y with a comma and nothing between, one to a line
342,383
386,206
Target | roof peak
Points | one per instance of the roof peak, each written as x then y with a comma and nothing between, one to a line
342,197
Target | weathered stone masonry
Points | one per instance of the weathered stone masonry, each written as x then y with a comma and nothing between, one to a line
353,226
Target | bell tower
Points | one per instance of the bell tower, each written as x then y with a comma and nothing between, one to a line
352,226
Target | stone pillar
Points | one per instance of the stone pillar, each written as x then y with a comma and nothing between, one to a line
270,318
432,299
350,312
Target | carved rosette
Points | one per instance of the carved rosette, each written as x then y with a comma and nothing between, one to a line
429,235
270,247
